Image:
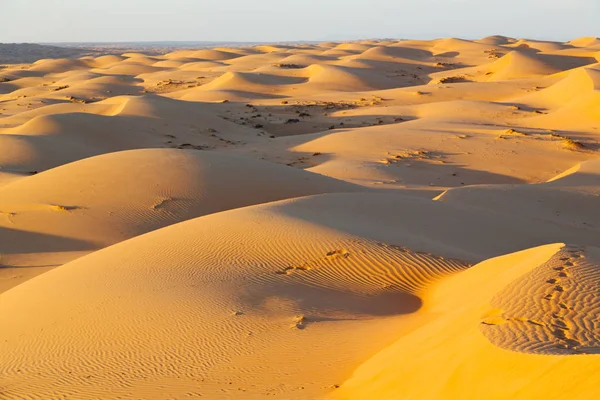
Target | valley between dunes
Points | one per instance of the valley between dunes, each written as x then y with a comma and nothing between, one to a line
363,220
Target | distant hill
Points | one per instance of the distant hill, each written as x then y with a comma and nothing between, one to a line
26,53
17,53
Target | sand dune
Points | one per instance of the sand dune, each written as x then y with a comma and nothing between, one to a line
585,42
564,200
496,40
46,141
513,65
249,81
390,53
305,59
273,48
517,65
314,270
540,45
269,294
103,61
573,101
149,189
379,154
358,47
513,316
311,221
253,61
128,68
338,78
215,55
201,65
573,84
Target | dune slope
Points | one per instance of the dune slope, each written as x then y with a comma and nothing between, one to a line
58,215
526,324
218,299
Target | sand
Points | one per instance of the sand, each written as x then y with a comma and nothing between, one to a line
378,219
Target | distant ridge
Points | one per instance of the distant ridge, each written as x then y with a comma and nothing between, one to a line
15,53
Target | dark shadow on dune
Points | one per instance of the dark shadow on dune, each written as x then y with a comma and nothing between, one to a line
6,87
578,180
417,224
14,241
25,73
559,61
448,54
525,107
311,296
242,94
428,171
17,267
398,66
408,52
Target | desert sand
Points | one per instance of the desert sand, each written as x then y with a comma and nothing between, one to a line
361,220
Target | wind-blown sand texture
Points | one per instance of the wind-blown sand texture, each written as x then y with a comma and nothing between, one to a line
366,220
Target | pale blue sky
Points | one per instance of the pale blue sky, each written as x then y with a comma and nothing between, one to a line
284,20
